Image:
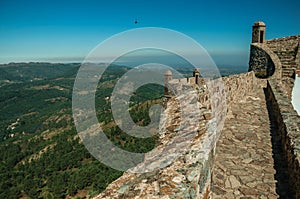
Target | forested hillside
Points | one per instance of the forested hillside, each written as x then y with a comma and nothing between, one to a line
41,153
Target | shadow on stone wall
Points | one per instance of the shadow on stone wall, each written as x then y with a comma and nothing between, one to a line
282,176
261,62
288,127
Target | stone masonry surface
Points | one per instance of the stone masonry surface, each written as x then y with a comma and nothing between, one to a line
258,152
288,129
281,54
243,167
188,176
287,49
181,178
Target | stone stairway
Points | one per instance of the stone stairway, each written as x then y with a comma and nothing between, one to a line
248,161
286,50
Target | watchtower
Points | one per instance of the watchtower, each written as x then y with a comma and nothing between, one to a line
258,32
196,75
167,78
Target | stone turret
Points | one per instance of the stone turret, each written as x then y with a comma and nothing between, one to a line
258,32
196,75
276,58
167,78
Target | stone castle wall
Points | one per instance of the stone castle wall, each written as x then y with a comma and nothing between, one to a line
263,61
237,86
287,49
277,58
288,122
190,175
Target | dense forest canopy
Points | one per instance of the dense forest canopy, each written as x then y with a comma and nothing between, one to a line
41,153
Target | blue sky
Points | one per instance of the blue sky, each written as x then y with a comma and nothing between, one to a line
43,30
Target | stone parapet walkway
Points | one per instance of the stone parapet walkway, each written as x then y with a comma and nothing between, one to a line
244,164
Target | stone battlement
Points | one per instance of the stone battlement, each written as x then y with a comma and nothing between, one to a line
261,126
190,175
277,56
288,122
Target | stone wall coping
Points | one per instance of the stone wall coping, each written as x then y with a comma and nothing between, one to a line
284,38
289,115
291,122
289,128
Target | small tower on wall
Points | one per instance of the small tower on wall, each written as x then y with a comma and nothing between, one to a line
258,32
196,75
167,78
260,61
